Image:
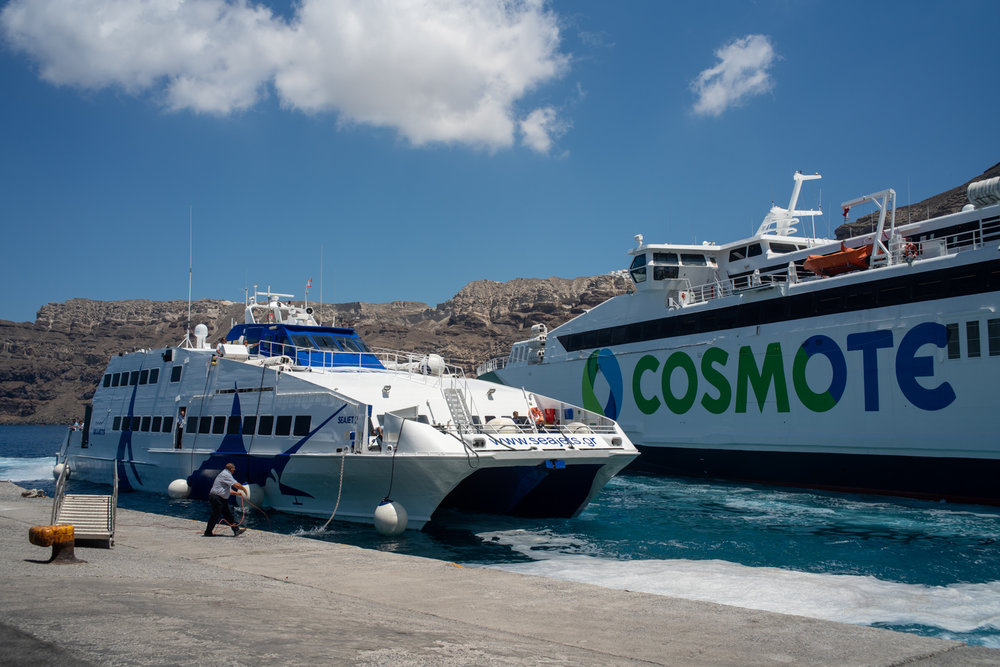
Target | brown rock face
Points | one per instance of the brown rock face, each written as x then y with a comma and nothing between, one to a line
50,368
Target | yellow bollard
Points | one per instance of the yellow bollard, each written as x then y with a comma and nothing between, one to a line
60,538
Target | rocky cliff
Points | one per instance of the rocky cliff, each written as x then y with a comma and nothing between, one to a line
49,368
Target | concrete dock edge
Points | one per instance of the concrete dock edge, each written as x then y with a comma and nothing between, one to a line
165,595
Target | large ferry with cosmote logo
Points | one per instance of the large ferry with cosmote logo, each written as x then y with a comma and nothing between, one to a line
870,364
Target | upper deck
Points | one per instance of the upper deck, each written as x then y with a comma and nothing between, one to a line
668,279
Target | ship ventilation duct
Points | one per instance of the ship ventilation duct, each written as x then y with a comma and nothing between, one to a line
985,193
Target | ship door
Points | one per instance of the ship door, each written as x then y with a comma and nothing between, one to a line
87,414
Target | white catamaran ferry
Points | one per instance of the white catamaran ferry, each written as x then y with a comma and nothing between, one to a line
317,423
866,365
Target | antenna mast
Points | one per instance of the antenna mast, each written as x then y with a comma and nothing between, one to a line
187,333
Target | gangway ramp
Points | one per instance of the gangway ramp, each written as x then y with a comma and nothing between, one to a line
91,515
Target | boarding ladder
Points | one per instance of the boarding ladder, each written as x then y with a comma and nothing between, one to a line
92,516
455,399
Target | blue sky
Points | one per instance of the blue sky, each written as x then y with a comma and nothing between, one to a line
404,149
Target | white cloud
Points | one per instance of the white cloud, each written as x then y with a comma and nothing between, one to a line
743,71
433,70
541,128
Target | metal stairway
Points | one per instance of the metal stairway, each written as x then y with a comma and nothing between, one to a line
455,399
92,516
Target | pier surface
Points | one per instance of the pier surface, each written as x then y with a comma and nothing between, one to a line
165,595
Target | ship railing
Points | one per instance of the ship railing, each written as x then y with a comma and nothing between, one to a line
363,359
719,289
490,365
987,232
417,363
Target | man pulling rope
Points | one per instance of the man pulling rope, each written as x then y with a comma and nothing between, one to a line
222,489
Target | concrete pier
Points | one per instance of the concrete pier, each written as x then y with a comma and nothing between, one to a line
166,595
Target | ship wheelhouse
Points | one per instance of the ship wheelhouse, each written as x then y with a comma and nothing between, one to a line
276,328
313,346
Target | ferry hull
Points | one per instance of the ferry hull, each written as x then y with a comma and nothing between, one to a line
952,479
880,401
505,484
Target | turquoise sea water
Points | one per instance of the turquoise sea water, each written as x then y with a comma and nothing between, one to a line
927,568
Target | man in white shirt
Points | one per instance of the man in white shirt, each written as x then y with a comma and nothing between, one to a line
222,488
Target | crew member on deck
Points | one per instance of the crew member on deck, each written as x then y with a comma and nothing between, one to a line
179,433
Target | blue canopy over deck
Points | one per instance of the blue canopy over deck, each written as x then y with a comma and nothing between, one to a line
306,345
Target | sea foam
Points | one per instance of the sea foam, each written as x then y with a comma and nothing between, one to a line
862,600
26,469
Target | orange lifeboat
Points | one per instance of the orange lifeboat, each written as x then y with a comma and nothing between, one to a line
842,261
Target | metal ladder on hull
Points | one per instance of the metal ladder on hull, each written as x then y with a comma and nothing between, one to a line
92,516
455,398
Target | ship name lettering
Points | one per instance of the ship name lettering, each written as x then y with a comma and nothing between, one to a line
681,378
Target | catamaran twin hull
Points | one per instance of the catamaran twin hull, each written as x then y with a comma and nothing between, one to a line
297,435
882,380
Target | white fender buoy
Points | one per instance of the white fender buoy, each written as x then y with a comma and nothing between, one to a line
178,489
256,494
57,470
390,518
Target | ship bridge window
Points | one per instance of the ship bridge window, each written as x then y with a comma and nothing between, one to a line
283,425
300,340
144,376
154,375
266,425
783,247
302,425
115,379
107,379
638,269
665,265
693,259
751,250
133,378
175,373
353,344
326,342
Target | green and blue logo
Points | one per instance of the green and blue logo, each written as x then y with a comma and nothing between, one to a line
603,362
720,381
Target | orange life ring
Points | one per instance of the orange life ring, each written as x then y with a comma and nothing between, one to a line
909,251
536,415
